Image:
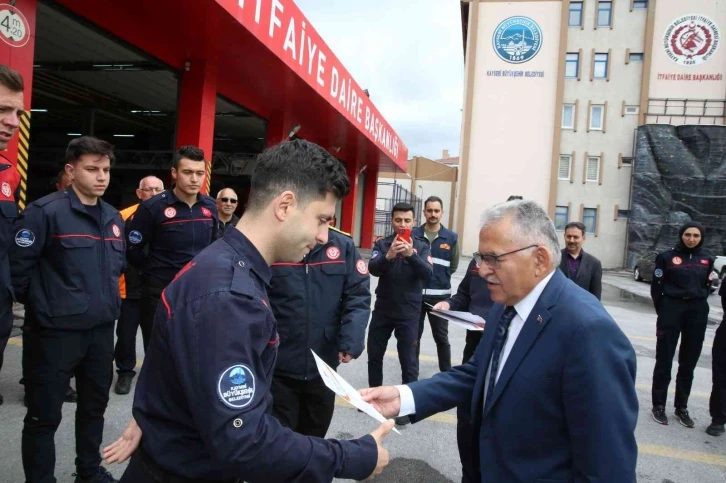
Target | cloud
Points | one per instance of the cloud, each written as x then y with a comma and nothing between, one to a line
409,56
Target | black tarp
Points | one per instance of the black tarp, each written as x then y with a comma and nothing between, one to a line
679,175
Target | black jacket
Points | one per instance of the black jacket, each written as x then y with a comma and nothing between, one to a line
681,272
400,289
321,303
589,275
65,268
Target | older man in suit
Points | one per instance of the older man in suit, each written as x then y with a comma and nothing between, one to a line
552,383
580,267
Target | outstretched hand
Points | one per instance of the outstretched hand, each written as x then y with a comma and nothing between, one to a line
385,399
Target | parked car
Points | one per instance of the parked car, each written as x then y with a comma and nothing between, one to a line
643,271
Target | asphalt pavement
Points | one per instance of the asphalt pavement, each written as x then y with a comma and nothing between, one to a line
426,452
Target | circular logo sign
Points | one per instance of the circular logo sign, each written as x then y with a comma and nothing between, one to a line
517,39
170,212
333,253
24,238
135,237
691,39
6,189
361,266
236,386
116,230
677,260
14,27
206,212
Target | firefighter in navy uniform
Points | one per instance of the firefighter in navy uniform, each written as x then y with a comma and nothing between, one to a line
680,289
472,296
168,230
322,303
403,269
444,245
66,262
11,110
203,397
717,402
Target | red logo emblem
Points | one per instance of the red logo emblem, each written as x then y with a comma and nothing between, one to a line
677,260
333,253
206,212
362,267
6,189
704,261
170,212
116,230
691,39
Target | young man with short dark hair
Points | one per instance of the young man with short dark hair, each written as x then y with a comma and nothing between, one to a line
66,262
170,229
403,265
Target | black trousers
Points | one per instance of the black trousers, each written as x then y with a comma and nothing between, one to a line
306,407
6,324
53,356
150,297
686,319
126,328
717,403
440,331
465,432
406,333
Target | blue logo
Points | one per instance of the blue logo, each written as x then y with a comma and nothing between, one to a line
236,386
24,238
658,273
517,39
135,237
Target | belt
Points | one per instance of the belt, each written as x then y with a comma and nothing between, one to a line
160,475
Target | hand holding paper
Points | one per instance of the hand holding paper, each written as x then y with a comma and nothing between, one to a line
463,319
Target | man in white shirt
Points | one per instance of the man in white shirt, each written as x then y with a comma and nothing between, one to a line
552,384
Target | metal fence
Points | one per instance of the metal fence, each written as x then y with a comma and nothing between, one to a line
384,206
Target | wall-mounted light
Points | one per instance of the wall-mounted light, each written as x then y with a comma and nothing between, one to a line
123,135
76,134
39,110
293,131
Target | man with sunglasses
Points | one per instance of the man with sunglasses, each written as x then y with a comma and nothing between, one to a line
226,205
130,287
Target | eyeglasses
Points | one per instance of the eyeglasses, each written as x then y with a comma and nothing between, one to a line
152,190
229,200
492,261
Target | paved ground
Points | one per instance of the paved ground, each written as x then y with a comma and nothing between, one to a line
426,452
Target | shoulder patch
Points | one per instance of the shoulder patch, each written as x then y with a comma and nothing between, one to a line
236,386
24,238
361,267
658,273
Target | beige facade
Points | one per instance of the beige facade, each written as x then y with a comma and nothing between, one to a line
566,138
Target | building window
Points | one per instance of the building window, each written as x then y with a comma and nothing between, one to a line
589,219
593,169
601,66
636,57
575,14
572,65
604,13
565,166
597,113
627,161
568,116
640,4
561,217
631,110
623,213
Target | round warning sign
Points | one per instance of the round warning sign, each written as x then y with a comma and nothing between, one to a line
13,26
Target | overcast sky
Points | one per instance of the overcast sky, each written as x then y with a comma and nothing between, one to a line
409,56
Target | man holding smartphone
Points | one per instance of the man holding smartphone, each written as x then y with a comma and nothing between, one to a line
404,264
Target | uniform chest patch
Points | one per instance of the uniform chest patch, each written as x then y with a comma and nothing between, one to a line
677,260
333,253
170,212
206,212
658,273
6,189
116,230
361,267
445,246
236,386
24,238
135,237
704,261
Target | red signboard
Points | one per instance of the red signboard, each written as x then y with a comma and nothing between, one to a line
282,28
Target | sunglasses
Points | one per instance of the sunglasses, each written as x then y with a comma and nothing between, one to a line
229,200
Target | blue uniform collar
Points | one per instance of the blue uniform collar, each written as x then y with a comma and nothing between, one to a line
171,198
244,247
107,211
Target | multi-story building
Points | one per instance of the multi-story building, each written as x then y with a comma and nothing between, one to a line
555,91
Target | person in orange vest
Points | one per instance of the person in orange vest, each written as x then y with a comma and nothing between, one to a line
130,287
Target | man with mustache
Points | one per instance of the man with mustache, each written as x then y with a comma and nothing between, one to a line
580,267
175,225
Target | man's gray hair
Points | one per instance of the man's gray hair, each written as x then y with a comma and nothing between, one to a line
219,193
531,224
141,182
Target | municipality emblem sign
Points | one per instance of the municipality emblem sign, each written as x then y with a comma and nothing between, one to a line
691,39
517,39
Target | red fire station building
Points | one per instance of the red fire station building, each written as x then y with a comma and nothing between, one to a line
231,76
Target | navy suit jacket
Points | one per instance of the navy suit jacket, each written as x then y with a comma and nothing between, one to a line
564,408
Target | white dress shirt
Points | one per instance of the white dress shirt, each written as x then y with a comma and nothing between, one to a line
523,308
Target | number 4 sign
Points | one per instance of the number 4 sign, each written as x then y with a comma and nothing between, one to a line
14,27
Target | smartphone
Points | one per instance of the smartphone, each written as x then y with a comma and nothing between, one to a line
405,234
